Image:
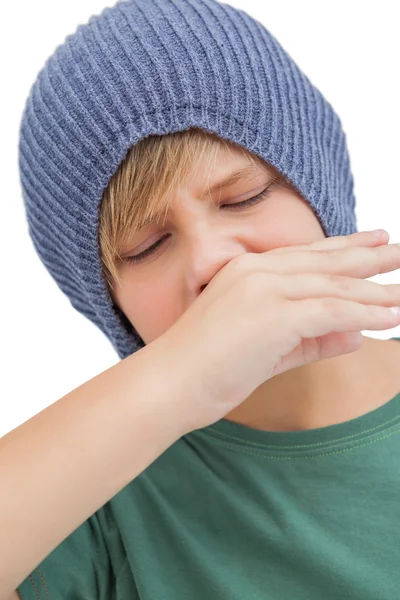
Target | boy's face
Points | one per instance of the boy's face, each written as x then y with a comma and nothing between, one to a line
201,238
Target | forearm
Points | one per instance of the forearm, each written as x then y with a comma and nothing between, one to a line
82,450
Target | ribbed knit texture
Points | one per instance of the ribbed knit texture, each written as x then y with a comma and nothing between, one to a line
145,67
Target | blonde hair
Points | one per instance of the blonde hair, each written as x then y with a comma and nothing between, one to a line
144,185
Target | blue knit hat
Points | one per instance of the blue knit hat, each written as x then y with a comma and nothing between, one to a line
153,67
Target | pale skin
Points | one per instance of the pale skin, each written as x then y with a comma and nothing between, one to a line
202,239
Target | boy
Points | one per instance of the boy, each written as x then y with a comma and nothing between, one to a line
277,498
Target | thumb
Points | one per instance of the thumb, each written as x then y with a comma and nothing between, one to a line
319,348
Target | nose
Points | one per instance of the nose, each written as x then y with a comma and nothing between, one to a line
207,253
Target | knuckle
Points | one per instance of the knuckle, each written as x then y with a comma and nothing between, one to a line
331,256
377,257
342,283
371,311
240,265
252,280
244,261
330,252
332,306
256,280
378,253
251,283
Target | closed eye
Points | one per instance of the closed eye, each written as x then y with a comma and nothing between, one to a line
138,258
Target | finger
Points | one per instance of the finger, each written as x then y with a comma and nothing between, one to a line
363,238
314,317
320,285
320,348
359,261
360,238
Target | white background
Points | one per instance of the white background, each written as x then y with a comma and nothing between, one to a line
349,50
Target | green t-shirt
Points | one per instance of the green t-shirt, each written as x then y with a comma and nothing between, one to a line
229,512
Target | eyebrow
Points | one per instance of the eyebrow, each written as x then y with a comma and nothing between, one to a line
232,178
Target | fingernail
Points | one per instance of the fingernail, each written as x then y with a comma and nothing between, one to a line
378,232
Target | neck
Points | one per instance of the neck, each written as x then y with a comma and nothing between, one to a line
325,392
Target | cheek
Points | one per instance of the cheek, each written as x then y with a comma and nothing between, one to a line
289,221
274,232
141,304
